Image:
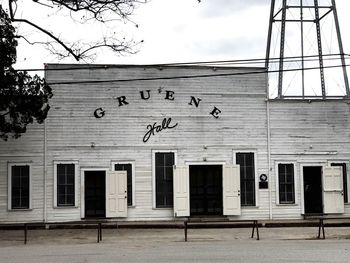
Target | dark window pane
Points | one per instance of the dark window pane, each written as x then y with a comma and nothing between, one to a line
65,184
247,170
164,179
286,183
20,187
169,160
160,159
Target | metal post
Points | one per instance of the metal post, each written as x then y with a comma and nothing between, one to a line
268,46
185,225
341,49
319,45
302,49
281,59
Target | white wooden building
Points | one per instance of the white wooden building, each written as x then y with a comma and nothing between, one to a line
158,143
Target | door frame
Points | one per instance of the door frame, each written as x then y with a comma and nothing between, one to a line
82,186
302,196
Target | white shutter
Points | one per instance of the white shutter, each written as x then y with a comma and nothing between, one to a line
181,182
333,199
116,194
231,190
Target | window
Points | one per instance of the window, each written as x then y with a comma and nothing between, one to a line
286,183
345,181
65,184
164,162
247,170
19,183
129,172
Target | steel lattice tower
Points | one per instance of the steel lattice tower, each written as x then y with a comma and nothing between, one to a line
303,14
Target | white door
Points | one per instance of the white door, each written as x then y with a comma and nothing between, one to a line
333,199
231,190
181,182
116,194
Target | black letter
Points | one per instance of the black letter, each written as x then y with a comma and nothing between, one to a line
122,100
215,112
196,102
143,95
169,95
99,113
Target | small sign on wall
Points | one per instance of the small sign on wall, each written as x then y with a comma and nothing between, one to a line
263,183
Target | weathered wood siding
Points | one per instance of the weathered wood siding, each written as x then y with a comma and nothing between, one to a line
307,133
301,133
118,136
29,150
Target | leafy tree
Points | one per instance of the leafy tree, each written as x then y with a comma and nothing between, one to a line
23,98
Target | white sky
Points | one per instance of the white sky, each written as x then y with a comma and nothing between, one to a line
172,30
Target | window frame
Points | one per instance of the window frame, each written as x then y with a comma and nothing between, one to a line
76,184
9,185
133,194
295,174
154,195
256,183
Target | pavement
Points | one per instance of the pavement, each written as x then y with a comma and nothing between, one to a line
173,231
155,244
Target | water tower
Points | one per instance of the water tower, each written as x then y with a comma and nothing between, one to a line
305,54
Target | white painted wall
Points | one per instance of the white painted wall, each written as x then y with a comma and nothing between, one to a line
118,136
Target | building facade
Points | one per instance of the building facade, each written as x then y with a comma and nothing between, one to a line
165,142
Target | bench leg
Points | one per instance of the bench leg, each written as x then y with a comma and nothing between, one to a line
255,225
99,232
321,226
25,233
324,236
257,230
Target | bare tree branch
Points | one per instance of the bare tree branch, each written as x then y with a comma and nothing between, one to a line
98,10
12,16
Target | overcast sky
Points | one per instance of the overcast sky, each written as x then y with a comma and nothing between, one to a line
172,30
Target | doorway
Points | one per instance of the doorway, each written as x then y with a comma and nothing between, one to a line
205,190
95,194
313,202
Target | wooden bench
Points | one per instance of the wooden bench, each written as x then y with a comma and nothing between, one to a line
321,222
34,225
98,224
233,223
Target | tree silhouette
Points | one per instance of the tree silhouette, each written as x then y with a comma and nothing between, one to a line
102,11
23,98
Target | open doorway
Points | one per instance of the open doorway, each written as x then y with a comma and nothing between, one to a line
206,190
313,202
95,194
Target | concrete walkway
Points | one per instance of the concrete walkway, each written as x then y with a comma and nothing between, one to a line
112,235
